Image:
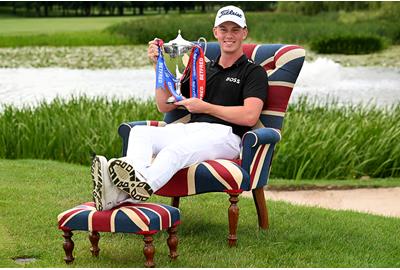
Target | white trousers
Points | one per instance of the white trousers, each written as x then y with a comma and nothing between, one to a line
157,153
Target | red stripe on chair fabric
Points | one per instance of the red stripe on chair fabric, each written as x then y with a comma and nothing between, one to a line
165,215
278,98
285,50
177,185
147,233
233,191
256,163
248,49
154,123
237,161
101,221
269,66
224,173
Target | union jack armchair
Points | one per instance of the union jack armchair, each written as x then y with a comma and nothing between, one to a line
251,171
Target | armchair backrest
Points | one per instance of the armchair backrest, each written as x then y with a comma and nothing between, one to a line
282,64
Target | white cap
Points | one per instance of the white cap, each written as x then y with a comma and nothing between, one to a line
230,14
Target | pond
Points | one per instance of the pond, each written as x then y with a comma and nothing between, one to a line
321,79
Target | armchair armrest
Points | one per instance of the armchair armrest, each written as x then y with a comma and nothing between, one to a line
261,136
258,148
125,128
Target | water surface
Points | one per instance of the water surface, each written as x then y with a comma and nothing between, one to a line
320,79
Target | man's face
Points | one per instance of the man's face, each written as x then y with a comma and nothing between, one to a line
230,36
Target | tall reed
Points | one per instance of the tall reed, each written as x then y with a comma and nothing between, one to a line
319,140
333,141
69,130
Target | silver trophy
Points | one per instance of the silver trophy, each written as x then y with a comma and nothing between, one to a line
176,55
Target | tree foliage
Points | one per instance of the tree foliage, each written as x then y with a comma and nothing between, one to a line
119,8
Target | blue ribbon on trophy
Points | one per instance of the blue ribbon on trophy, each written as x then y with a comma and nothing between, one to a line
176,50
165,78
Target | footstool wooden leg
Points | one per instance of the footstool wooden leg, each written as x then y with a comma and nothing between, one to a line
172,242
68,246
94,238
149,250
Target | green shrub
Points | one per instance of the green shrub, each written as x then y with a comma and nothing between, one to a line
348,44
311,8
165,27
396,37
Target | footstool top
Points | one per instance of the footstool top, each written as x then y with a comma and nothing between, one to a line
138,218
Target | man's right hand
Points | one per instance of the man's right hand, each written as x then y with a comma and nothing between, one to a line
152,51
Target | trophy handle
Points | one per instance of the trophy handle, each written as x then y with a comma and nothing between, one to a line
205,43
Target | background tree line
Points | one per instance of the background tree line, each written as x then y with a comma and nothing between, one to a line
122,8
119,8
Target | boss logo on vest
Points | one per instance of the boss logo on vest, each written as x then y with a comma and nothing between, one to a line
235,80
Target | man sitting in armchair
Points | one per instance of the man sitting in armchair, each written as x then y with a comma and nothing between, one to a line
236,92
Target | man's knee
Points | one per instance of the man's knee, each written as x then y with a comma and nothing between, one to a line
140,130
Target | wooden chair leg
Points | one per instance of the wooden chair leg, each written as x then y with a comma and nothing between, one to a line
172,242
149,250
233,215
68,246
261,206
94,238
175,201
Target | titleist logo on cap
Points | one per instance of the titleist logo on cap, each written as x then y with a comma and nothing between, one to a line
229,12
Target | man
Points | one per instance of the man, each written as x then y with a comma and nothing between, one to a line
235,93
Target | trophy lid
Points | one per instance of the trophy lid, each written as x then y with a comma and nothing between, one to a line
179,41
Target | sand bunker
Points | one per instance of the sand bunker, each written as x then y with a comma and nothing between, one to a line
379,201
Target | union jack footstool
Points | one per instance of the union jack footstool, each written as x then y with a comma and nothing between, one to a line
139,218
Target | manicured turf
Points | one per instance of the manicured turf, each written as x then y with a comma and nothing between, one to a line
34,192
16,32
29,26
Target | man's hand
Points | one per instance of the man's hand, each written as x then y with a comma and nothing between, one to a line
194,105
245,115
152,51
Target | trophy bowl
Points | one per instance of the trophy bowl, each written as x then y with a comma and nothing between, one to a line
176,56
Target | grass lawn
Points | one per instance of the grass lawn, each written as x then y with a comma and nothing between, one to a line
78,31
28,26
34,192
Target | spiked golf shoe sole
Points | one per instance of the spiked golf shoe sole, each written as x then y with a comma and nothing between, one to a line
97,178
123,176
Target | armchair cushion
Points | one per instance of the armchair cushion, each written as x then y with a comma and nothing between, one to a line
209,176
